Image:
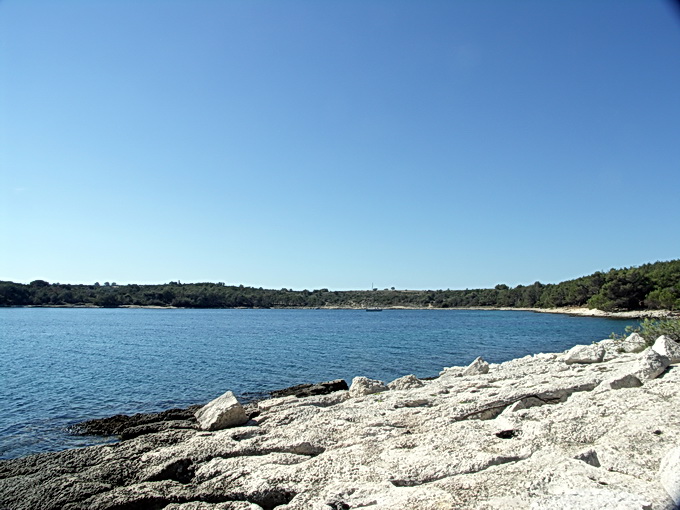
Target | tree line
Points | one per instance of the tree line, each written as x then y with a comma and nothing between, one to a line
650,286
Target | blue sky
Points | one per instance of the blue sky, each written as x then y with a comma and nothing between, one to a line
309,144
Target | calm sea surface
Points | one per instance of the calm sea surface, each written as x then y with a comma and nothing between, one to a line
62,366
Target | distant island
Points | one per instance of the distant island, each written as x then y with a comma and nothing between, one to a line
654,286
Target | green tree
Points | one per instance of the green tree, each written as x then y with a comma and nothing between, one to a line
107,300
624,290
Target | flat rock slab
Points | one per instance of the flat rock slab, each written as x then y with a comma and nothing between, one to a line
669,472
116,425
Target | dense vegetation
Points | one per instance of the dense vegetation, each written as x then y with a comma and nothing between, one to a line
651,286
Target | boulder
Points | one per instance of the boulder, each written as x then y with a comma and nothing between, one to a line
364,386
477,367
651,365
223,412
669,473
633,343
584,354
405,383
667,347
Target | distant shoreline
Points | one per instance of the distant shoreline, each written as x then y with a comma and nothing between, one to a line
575,311
593,312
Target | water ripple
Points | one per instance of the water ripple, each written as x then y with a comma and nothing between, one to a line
62,366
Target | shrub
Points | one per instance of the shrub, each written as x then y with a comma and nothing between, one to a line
651,329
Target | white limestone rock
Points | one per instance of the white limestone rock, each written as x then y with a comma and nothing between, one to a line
633,343
669,473
405,383
547,356
618,382
384,496
583,354
591,499
223,412
525,403
651,365
452,372
477,367
612,348
610,344
200,505
667,347
364,386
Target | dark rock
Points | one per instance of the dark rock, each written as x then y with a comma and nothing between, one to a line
181,470
252,410
507,434
76,478
151,428
116,425
307,390
589,457
142,496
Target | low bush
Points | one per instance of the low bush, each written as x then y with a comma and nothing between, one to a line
651,329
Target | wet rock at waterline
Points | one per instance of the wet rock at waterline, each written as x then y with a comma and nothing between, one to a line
308,390
120,424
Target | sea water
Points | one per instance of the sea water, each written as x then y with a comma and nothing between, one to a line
60,366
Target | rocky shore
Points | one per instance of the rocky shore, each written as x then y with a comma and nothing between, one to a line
596,427
594,312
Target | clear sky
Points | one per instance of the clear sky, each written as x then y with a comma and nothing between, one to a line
339,144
